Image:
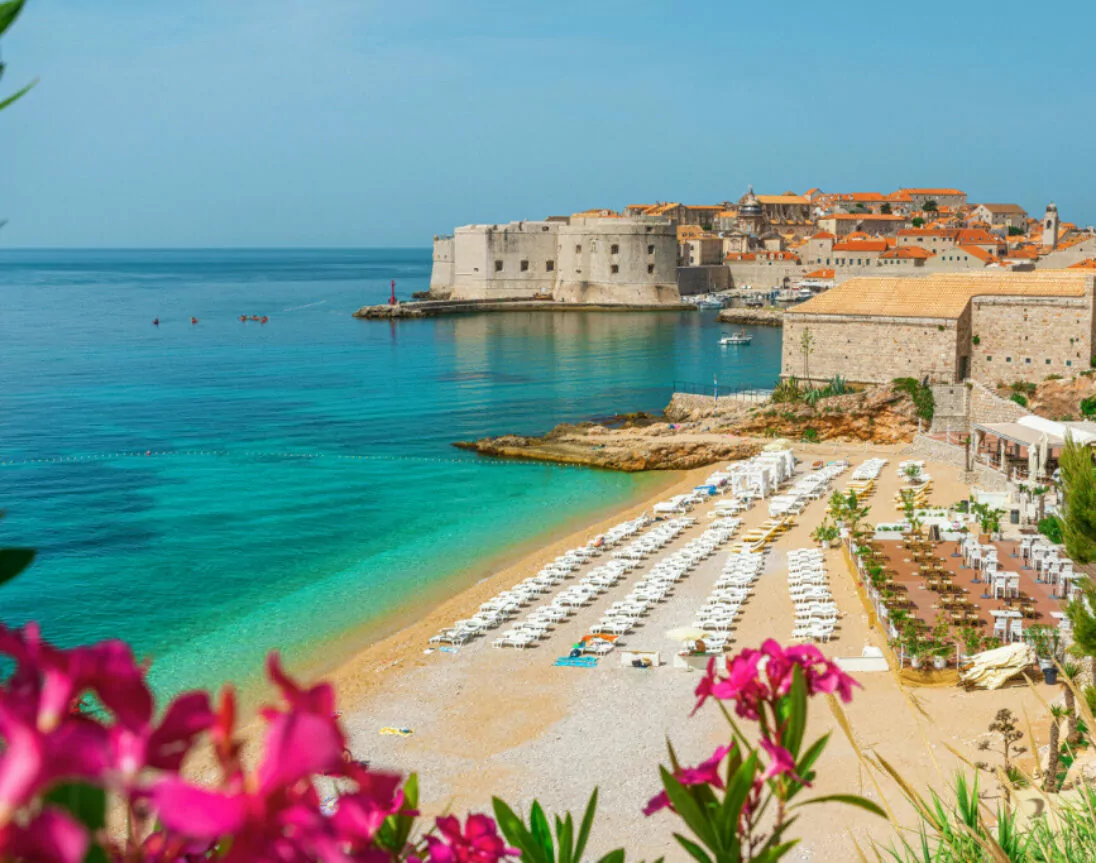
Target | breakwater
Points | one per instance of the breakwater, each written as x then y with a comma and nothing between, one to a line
755,317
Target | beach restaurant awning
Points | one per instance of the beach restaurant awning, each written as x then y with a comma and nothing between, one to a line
1020,434
1030,430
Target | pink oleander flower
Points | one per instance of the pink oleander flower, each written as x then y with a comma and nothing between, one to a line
705,773
479,842
753,678
51,837
781,762
274,813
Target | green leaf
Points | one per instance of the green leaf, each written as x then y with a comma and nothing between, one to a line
770,855
616,856
803,768
586,826
689,810
542,833
738,789
565,831
14,560
86,803
514,830
9,11
792,738
850,799
694,850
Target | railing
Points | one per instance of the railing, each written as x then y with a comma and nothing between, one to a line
715,390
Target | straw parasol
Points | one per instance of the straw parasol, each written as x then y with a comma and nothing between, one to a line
686,633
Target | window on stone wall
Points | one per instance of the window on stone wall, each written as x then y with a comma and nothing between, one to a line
525,266
989,359
498,266
1008,359
614,269
1028,361
578,250
650,268
1069,362
1048,362
614,249
650,250
549,265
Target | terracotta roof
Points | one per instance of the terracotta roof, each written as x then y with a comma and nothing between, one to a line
819,274
978,252
931,191
872,217
861,246
811,191
912,252
703,206
1004,208
1023,252
941,295
1086,264
974,236
740,256
929,232
782,199
823,235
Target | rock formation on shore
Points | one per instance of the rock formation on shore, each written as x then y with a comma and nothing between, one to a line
387,312
756,317
642,444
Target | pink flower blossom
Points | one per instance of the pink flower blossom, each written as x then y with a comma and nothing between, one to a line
479,842
781,762
52,837
705,773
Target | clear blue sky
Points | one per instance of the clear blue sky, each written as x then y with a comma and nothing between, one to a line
358,123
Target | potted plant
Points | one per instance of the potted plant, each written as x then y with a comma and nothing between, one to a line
972,641
941,647
825,534
912,642
1044,639
913,474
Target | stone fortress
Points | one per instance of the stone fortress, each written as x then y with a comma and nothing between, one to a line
946,328
594,258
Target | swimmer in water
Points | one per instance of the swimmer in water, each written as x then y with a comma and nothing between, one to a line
194,320
155,322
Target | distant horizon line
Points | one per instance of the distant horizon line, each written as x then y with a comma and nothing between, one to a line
205,248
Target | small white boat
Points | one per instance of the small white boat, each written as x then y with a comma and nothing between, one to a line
708,301
739,338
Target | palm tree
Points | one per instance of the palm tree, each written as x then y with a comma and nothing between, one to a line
1057,714
1070,673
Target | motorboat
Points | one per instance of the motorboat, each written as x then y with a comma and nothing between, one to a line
739,338
708,301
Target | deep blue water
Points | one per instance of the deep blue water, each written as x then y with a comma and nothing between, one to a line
205,561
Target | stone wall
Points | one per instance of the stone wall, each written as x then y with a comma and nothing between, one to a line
618,260
985,406
702,280
501,261
952,408
1026,339
765,275
441,274
871,349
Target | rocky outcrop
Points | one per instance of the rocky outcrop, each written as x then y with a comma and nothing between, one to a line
1058,399
757,317
652,447
687,407
876,415
387,312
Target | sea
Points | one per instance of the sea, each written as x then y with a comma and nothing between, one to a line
212,491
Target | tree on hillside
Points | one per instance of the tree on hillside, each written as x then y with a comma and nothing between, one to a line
930,206
885,209
1013,231
9,11
917,221
806,345
1079,504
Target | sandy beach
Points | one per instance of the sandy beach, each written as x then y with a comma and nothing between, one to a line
507,722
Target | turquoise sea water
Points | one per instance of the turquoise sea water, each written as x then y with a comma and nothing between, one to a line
207,560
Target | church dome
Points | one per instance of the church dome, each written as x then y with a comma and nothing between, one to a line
748,205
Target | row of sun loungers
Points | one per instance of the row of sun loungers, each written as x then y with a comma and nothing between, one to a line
509,603
869,469
622,617
733,587
808,584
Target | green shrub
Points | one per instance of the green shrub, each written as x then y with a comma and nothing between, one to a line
1088,407
810,435
787,391
812,397
1052,378
1019,399
920,394
976,340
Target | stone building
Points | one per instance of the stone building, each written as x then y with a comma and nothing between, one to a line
842,224
1001,215
951,198
1050,226
599,258
946,327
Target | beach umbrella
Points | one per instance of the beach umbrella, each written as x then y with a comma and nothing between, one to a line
776,446
1033,461
685,633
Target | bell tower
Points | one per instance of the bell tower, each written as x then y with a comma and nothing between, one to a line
1050,226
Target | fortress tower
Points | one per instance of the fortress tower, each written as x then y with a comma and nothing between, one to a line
1050,226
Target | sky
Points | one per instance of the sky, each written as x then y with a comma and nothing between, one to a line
350,123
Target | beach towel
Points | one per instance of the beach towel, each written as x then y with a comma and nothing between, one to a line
401,732
578,662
